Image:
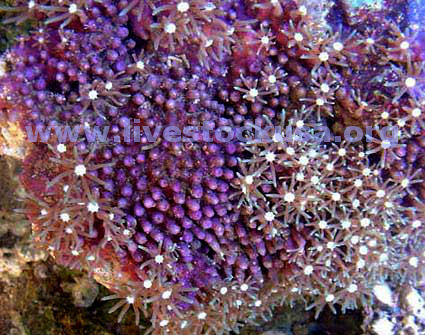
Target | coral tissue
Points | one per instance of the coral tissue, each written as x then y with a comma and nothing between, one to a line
205,235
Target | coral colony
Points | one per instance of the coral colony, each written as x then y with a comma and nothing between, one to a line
203,236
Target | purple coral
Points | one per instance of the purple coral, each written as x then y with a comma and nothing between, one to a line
183,230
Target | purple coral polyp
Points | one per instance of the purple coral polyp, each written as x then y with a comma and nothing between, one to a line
204,235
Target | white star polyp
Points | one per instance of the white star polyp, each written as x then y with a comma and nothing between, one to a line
320,102
91,258
272,79
329,167
363,250
352,288
385,144
93,207
223,290
323,224
355,239
323,56
336,196
270,156
253,93
366,172
61,148
298,37
184,324
383,258
209,7
230,31
361,264
299,124
289,197
68,230
329,298
383,326
416,224
313,153
308,270
370,41
72,8
331,245
93,95
80,170
170,28
404,45
345,224
3,68
65,217
265,40
126,232
372,243
302,10
208,43
303,160
202,316
388,204
416,112
166,295
342,152
290,151
365,222
299,176
401,123
183,7
338,46
416,303
75,252
410,82
244,287
269,216
147,283
159,259
43,212
315,180
31,4
258,303
163,323
140,65
384,294
130,299
249,180
414,261
385,115
380,193
358,183
108,86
